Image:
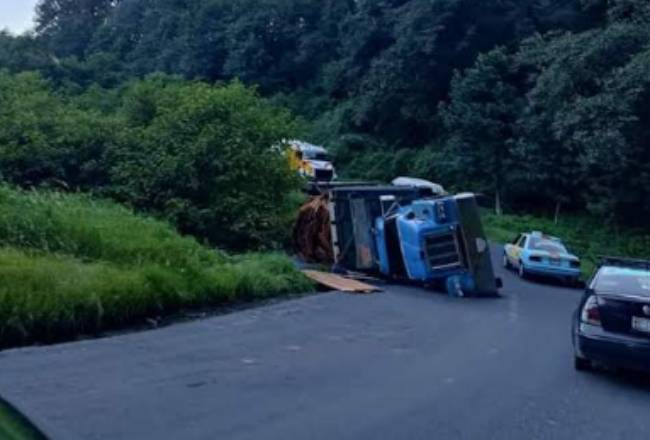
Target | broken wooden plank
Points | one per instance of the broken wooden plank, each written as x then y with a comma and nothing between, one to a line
337,282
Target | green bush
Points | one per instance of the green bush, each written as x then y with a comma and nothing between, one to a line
199,155
14,426
70,266
202,156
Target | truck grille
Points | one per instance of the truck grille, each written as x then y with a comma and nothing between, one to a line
324,175
443,251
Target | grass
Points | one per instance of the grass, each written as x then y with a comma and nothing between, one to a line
13,426
584,236
73,266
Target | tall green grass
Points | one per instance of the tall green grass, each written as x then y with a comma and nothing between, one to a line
93,230
585,236
14,426
70,266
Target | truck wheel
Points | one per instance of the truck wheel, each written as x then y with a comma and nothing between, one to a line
581,364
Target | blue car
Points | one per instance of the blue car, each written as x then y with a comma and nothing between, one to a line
535,253
612,323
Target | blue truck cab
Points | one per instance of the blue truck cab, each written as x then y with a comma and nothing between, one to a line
424,242
407,235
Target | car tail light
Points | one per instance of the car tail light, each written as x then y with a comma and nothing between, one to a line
590,312
535,258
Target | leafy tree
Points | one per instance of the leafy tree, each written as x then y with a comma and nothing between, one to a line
555,118
580,138
22,53
482,120
203,157
198,155
46,141
68,26
387,62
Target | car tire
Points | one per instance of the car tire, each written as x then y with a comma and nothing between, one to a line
506,262
522,271
578,283
582,364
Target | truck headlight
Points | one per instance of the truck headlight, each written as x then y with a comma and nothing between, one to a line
441,213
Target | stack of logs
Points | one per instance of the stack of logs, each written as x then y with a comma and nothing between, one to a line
312,235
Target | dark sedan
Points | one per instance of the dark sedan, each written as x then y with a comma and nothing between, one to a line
612,323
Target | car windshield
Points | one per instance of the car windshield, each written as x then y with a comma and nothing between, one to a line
547,245
623,280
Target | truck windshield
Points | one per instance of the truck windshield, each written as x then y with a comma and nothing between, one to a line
544,244
316,155
623,280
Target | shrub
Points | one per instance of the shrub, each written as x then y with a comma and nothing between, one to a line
201,156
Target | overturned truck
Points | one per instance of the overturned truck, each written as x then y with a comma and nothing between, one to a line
405,233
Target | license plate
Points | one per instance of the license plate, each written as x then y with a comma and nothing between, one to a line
641,324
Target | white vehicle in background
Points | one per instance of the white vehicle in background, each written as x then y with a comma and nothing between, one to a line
311,161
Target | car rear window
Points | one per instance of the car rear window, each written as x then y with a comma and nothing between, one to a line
623,280
544,244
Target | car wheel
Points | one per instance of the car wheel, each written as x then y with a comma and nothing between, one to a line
506,262
581,364
569,282
522,271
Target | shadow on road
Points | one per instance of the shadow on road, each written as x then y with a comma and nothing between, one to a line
624,378
549,281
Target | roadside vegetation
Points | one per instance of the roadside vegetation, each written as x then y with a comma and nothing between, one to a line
13,425
200,156
74,266
541,103
584,236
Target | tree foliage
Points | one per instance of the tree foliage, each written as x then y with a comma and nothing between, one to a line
198,155
542,102
580,135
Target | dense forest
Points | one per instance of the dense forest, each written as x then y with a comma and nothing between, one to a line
544,105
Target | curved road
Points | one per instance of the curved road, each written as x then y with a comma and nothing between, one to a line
403,364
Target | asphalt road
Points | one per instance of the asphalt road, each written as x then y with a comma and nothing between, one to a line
403,364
